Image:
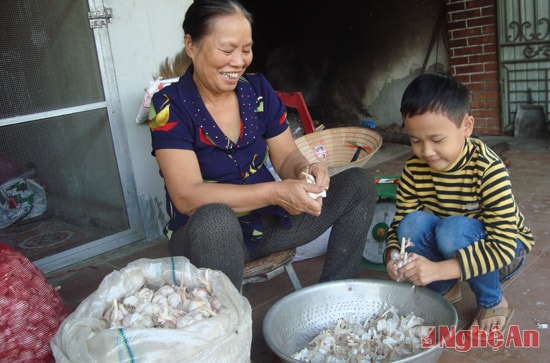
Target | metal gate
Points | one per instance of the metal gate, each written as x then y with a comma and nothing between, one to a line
524,40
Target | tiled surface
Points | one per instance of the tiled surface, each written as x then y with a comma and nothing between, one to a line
527,292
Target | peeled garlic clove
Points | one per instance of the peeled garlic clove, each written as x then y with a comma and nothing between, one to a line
310,179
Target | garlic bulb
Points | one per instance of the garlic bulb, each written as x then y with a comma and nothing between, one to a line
168,306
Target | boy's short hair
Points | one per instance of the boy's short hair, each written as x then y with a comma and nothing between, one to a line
436,92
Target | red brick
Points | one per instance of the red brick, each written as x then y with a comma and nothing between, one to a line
482,39
489,10
491,67
480,21
487,94
493,104
465,14
484,113
453,6
457,60
457,43
481,58
489,29
457,25
467,68
475,86
484,77
479,3
466,33
490,48
462,78
469,50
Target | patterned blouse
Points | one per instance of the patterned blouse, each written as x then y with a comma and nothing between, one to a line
178,119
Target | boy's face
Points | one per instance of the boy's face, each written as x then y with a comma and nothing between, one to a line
436,139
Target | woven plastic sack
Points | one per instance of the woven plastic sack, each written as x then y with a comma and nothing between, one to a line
226,337
31,310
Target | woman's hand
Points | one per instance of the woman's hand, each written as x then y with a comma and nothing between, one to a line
391,265
320,172
293,196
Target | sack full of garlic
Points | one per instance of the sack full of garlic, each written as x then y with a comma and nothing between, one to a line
167,306
156,310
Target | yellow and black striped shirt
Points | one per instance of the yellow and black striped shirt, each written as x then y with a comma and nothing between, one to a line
478,186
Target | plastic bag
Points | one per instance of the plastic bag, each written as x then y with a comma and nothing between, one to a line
227,337
317,247
21,198
31,310
152,88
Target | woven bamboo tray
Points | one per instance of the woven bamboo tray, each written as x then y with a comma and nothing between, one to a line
335,147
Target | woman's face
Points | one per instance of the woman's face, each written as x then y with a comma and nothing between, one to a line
223,55
436,139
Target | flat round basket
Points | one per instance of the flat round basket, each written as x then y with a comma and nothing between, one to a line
337,147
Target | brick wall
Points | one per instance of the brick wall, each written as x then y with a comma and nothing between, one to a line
473,53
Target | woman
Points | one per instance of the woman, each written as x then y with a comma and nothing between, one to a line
212,134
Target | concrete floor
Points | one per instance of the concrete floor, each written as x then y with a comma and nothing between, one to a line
530,167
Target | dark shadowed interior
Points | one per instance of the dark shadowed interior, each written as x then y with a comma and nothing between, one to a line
333,51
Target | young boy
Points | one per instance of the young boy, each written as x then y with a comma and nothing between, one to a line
455,204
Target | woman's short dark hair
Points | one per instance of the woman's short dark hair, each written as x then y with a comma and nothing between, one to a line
436,92
200,14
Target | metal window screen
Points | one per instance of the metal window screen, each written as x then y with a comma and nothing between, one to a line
49,73
47,56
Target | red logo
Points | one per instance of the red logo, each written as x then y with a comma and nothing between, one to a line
464,340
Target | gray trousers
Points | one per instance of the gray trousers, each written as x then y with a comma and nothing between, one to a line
212,237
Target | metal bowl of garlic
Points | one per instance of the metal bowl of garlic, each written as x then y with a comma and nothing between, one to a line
359,320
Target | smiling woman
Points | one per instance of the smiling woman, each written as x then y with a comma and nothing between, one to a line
213,133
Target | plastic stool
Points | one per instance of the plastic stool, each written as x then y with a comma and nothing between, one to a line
296,100
267,267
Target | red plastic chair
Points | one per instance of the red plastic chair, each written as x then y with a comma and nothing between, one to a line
296,100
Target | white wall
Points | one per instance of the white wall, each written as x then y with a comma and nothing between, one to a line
142,34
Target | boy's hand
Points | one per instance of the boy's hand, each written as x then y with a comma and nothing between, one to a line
419,270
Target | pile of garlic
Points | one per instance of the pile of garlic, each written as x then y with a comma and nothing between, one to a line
168,306
385,337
